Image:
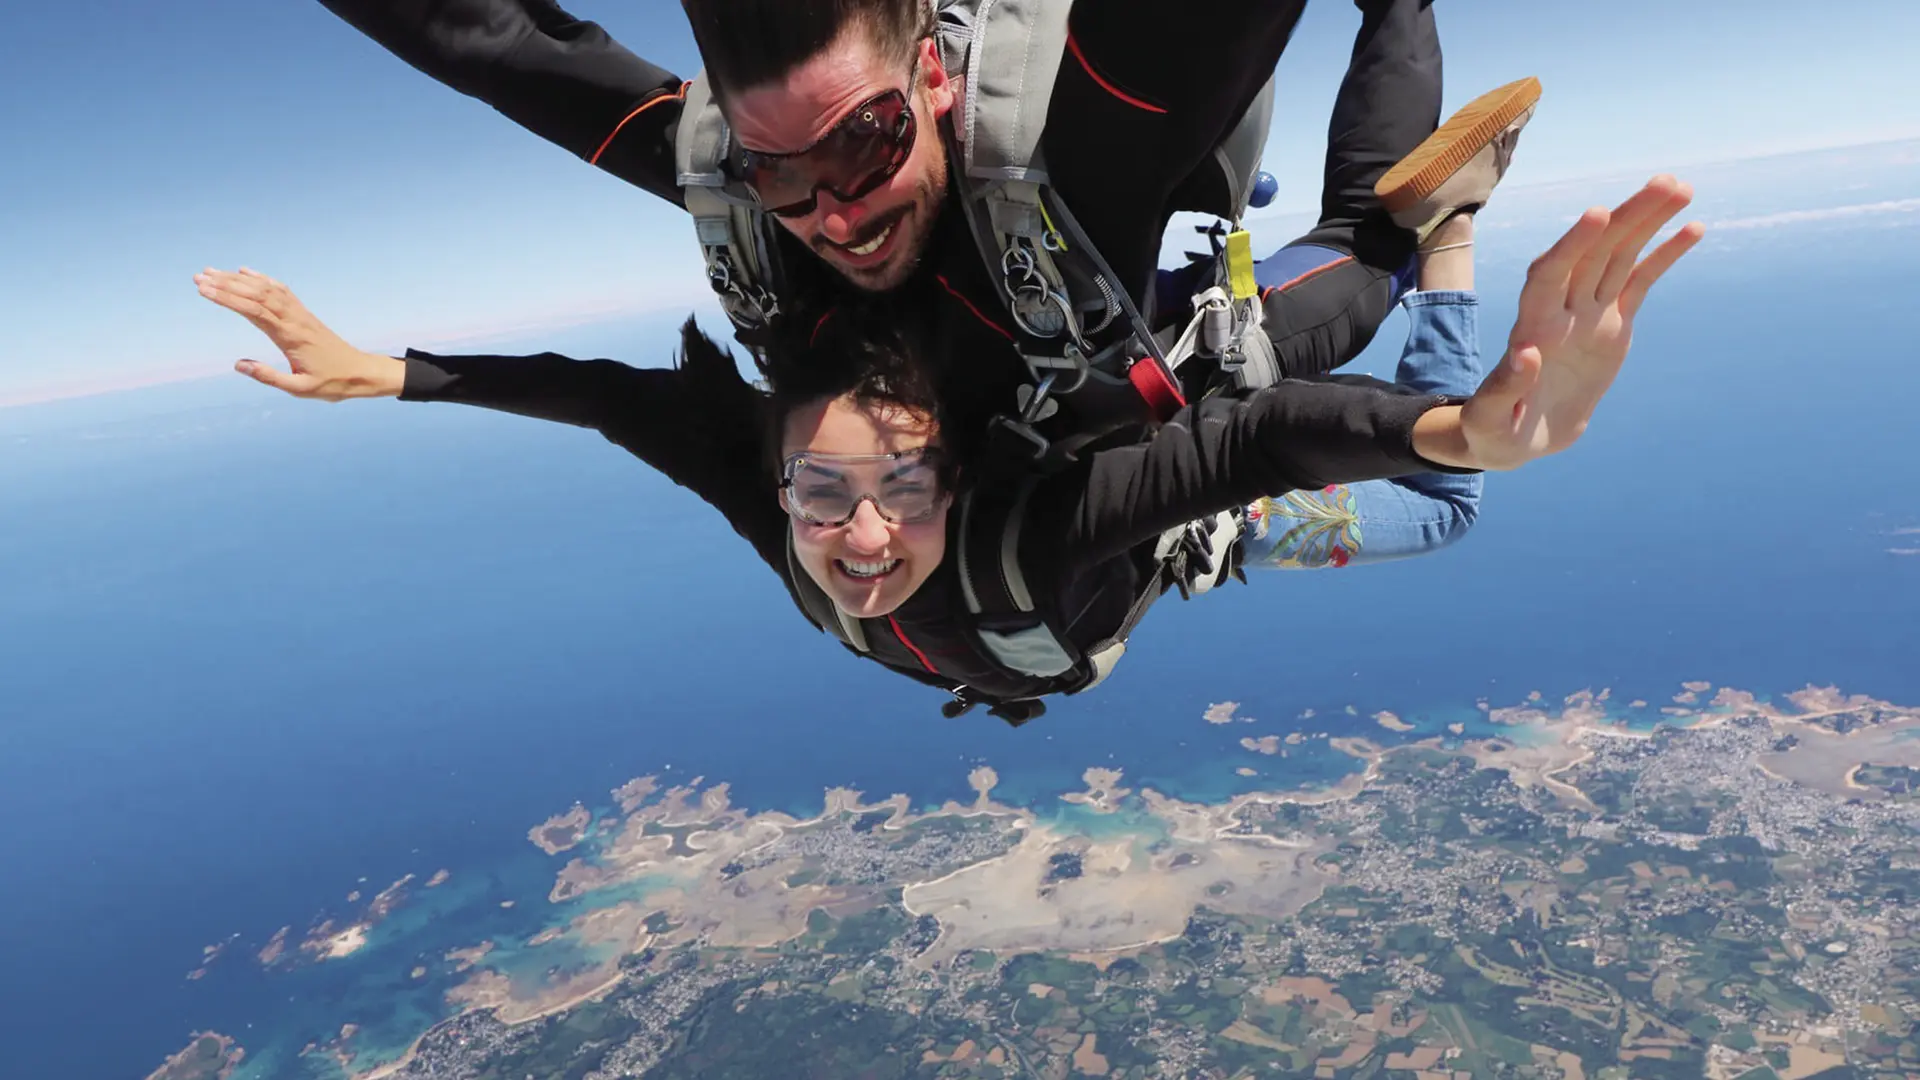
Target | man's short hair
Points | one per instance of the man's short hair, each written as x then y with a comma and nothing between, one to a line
749,43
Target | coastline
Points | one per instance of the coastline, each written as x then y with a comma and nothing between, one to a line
1534,743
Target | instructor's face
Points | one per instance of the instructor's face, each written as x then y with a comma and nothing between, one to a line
868,565
876,239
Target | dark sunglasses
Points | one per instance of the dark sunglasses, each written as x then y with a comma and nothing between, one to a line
862,151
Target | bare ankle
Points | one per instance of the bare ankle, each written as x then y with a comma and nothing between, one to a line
1446,256
1457,229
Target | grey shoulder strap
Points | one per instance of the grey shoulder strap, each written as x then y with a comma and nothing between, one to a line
700,142
1007,621
1238,155
1052,283
735,239
1012,57
821,608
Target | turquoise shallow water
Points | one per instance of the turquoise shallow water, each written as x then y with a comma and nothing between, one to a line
371,988
236,690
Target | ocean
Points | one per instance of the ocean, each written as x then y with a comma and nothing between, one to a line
262,653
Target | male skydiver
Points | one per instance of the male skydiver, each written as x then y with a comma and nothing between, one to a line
841,116
846,492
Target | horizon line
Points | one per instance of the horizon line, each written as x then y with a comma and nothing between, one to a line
59,390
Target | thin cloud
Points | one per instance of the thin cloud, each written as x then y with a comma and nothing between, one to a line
67,389
1828,213
1903,551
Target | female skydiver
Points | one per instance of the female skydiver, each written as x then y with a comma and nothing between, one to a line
846,491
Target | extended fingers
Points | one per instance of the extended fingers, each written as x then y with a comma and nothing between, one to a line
1657,264
1546,286
243,284
1558,261
1627,219
248,292
1627,252
236,294
248,285
248,271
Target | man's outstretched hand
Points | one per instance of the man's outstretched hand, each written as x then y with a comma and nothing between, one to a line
1573,330
320,364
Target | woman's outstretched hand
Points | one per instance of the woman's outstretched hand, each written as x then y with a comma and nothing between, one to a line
1574,328
320,364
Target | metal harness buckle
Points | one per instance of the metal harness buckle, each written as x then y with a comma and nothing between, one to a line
721,276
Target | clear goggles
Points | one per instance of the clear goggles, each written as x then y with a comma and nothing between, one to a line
906,488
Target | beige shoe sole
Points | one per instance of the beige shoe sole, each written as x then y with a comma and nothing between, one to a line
1448,149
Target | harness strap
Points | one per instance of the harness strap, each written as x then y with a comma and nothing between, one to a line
1012,628
1012,61
1227,323
739,250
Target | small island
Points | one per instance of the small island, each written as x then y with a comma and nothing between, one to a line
326,943
275,948
331,941
208,1056
464,959
1103,792
1391,721
561,832
1266,744
983,780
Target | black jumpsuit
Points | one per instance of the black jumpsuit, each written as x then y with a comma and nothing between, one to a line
1084,525
1135,114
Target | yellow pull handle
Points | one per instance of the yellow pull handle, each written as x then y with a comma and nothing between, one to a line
1240,265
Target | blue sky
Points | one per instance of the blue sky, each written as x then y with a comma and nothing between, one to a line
143,141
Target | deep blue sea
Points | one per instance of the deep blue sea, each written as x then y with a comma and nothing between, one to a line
256,654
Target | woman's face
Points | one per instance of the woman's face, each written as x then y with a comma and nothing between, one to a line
868,565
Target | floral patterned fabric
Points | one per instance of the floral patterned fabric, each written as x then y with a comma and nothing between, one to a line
1377,520
1317,529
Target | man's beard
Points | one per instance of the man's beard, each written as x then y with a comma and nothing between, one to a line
921,215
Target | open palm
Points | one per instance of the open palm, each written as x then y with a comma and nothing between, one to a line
319,363
1574,327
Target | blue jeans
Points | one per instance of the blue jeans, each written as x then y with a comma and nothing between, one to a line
1377,520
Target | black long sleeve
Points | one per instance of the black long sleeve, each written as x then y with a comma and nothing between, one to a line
1220,453
697,426
562,78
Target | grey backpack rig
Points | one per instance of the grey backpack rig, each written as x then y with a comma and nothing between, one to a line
1078,325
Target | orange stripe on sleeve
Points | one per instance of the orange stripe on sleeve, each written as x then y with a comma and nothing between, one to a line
1313,273
680,95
